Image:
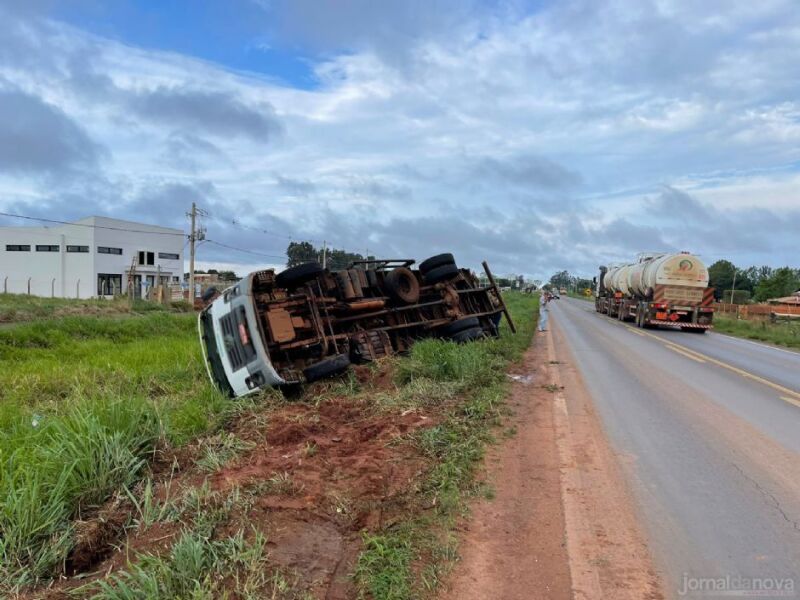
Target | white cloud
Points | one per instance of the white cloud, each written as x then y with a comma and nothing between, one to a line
533,134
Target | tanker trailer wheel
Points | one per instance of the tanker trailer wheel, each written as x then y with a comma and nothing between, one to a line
402,285
442,273
327,367
436,261
296,276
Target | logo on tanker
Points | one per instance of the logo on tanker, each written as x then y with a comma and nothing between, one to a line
685,265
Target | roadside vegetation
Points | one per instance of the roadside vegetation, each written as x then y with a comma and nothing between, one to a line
84,404
785,333
16,308
469,382
89,405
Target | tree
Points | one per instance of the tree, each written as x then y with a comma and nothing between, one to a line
299,253
782,282
720,277
303,252
561,279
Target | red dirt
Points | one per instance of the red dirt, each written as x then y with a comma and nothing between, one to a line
323,473
562,524
513,545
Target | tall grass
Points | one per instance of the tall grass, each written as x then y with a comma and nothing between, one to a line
52,470
470,380
784,333
83,403
21,307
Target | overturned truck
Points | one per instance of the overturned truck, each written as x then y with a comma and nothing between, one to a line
307,322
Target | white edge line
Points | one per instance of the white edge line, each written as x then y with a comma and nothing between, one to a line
761,344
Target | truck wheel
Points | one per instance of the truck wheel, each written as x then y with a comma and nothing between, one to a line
296,276
436,261
468,335
442,273
327,367
458,326
402,285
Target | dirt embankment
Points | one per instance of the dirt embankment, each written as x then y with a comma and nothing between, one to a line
316,476
562,524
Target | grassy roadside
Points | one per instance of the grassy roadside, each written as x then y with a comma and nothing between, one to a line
580,296
84,403
16,308
781,334
408,559
87,402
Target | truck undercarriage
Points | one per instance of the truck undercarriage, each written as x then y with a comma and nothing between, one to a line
308,322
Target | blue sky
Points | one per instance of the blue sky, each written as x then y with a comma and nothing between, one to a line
537,135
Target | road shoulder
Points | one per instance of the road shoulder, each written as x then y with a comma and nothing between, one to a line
512,546
607,549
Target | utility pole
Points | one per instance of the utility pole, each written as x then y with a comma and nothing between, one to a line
733,287
195,235
324,254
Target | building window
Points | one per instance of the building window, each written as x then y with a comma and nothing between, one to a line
147,258
169,255
107,250
18,248
109,284
77,248
46,248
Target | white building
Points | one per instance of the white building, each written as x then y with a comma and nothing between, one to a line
89,258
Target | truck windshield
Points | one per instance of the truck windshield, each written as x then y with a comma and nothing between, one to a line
213,353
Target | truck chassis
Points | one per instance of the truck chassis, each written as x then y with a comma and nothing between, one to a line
308,322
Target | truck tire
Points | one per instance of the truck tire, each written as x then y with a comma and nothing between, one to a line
327,367
402,285
296,276
468,335
436,261
458,326
442,273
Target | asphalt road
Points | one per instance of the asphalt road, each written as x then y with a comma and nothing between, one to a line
707,429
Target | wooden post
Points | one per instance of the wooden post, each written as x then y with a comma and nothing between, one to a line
493,285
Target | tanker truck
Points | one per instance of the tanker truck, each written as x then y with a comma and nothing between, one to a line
669,289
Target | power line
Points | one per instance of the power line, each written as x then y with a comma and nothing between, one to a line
29,218
240,225
243,250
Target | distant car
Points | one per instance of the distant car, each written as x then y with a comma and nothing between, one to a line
307,322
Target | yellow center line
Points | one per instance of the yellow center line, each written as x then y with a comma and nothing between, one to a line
686,354
790,401
789,393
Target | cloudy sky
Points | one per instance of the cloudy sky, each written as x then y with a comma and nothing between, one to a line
539,135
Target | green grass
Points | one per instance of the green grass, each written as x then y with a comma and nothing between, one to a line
470,381
21,307
580,296
782,333
196,567
84,402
